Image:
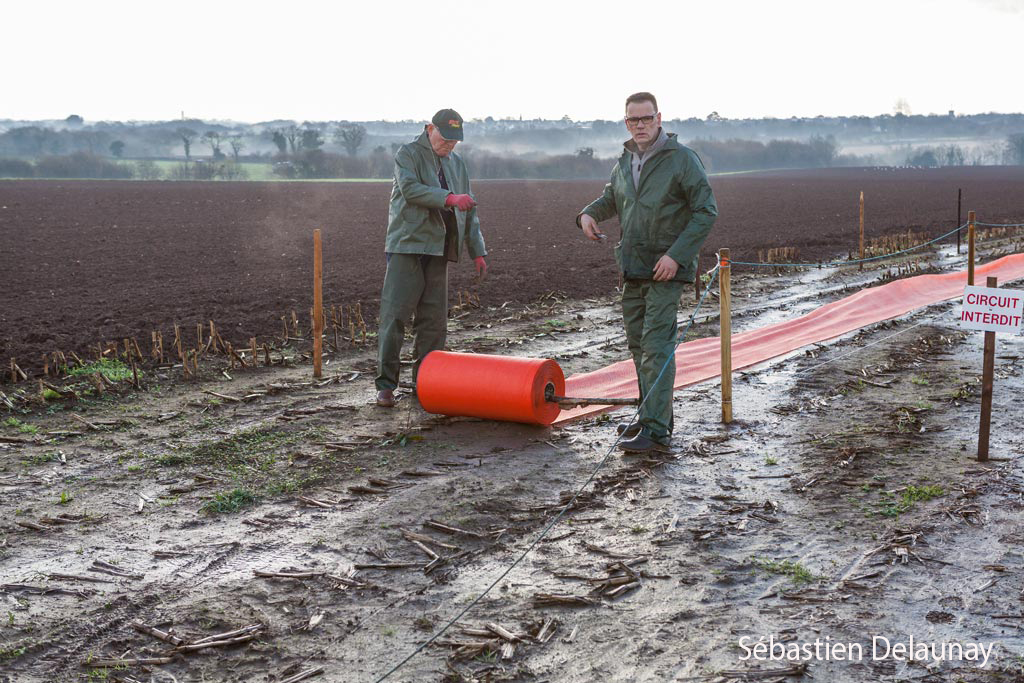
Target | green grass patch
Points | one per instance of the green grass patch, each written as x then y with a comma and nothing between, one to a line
894,506
796,572
22,427
231,501
255,448
12,653
111,369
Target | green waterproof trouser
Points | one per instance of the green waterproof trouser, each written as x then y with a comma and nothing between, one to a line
649,312
415,286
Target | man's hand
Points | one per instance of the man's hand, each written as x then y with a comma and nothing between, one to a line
481,266
462,202
590,228
665,269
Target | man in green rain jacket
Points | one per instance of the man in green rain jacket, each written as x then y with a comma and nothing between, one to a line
661,195
432,215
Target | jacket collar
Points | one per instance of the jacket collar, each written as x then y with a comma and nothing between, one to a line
424,141
629,147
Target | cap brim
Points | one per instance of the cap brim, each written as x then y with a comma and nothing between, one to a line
449,133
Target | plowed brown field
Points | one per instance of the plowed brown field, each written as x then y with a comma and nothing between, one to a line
84,261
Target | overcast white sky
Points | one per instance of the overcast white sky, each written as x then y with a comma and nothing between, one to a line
252,61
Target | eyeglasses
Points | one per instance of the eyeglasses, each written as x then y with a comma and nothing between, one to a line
633,121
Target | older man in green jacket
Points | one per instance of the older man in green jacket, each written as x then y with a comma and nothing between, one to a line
432,215
661,195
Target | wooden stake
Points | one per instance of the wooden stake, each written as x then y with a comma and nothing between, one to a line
725,305
135,372
255,351
959,196
177,341
970,247
986,382
199,335
318,306
861,230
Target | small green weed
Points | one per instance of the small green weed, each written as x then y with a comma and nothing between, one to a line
111,369
894,507
919,380
769,460
21,426
232,501
65,498
12,652
797,573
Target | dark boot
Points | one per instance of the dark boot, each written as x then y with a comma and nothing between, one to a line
627,430
642,443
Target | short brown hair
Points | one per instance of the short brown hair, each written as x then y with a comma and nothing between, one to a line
638,97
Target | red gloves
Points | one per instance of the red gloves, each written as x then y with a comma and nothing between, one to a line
481,266
462,202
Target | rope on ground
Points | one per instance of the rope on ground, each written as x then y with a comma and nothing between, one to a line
853,261
870,344
572,501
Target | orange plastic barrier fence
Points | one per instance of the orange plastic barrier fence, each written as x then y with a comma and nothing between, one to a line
488,386
699,360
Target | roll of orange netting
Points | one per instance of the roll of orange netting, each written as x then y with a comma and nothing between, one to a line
488,386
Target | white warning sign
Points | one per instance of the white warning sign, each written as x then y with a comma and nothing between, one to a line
992,310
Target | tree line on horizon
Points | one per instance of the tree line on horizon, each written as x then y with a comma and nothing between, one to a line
496,149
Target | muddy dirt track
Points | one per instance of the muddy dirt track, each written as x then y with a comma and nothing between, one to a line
83,262
333,537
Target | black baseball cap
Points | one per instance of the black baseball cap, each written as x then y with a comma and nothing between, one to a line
448,123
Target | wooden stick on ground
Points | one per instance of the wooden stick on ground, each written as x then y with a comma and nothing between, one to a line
309,673
219,637
165,636
121,663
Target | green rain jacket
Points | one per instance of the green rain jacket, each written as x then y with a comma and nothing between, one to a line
415,223
671,211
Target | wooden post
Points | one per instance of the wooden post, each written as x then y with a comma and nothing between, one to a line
725,321
318,307
861,230
135,372
970,247
959,196
988,370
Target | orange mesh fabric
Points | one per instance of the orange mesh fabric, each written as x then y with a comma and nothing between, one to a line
700,360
